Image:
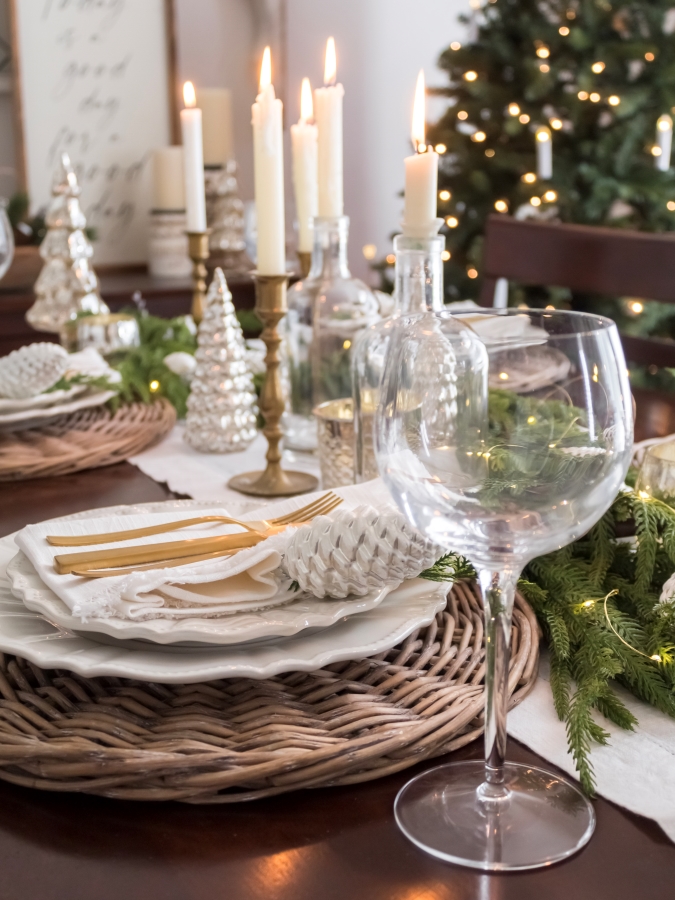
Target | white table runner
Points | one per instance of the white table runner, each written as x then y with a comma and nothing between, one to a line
635,770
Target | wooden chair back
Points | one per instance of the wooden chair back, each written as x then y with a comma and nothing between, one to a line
585,258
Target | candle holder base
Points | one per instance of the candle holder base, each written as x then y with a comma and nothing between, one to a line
305,260
273,482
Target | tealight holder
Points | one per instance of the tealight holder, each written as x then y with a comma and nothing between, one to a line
198,249
271,307
335,436
657,473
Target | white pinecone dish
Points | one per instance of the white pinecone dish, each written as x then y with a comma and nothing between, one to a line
354,552
31,370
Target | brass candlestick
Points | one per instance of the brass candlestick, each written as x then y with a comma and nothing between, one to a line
270,307
198,248
305,260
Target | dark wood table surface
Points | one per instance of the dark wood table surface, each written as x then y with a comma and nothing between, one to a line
329,844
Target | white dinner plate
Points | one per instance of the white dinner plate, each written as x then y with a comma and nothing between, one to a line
28,418
30,635
50,398
277,621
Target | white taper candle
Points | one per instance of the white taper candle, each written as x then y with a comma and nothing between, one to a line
304,139
328,112
544,142
193,157
421,175
268,153
664,141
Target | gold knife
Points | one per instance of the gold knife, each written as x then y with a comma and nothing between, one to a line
65,563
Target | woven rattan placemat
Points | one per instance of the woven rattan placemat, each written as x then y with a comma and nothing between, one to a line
86,439
239,739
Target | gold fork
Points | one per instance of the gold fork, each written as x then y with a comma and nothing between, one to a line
158,554
318,507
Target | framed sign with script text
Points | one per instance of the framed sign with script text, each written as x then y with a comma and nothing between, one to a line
96,78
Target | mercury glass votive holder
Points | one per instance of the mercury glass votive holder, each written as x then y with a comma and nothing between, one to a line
335,436
657,474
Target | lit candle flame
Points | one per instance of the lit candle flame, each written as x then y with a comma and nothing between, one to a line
418,119
330,69
266,70
189,96
543,134
306,103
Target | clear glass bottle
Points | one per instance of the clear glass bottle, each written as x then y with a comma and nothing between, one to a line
326,313
418,286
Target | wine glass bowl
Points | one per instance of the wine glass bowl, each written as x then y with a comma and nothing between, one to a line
496,473
502,435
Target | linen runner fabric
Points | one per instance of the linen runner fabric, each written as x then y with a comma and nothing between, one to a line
204,476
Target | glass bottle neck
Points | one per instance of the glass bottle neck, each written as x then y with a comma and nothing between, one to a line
329,256
419,273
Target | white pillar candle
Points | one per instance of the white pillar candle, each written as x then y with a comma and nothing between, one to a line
268,153
421,175
328,112
544,142
191,126
168,179
216,107
664,141
305,169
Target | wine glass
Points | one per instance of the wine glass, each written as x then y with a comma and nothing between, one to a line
6,240
502,435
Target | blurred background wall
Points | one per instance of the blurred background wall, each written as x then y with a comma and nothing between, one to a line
381,45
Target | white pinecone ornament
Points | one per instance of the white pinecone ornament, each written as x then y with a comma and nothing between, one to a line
30,370
357,552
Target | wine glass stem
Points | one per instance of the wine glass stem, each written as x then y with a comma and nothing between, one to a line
498,589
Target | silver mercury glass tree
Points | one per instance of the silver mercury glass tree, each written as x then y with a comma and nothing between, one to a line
67,284
222,406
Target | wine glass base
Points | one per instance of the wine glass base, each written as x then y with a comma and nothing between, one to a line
544,819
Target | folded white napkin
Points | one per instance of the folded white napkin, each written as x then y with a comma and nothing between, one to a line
251,579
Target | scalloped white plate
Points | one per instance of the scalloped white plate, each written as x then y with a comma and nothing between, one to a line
277,621
7,405
28,418
31,636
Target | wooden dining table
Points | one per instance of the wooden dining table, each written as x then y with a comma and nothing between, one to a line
330,844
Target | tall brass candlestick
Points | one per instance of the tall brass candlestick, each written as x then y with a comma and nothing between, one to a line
198,248
270,307
305,260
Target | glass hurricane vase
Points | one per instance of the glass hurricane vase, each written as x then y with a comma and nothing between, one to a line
326,313
418,286
503,448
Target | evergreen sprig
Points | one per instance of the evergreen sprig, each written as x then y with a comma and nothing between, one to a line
595,640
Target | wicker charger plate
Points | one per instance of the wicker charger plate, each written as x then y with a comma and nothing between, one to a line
86,439
238,739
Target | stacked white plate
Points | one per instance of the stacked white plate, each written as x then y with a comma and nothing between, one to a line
19,414
304,634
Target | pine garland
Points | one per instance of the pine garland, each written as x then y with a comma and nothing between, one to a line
597,602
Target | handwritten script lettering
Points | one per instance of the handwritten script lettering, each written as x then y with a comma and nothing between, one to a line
95,85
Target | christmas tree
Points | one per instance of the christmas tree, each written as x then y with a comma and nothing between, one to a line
597,77
222,406
67,284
